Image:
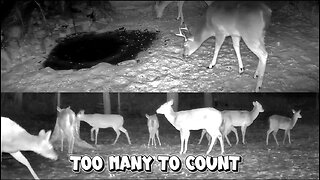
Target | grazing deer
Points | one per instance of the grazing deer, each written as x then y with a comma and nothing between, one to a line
277,122
234,118
66,122
153,127
209,119
98,121
161,5
15,139
246,20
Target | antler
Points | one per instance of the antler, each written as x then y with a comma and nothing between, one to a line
181,35
185,28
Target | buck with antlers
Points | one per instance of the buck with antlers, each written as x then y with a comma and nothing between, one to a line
246,20
161,5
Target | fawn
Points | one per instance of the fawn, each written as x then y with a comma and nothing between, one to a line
277,122
98,121
153,127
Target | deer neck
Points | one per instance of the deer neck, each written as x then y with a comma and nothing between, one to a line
27,142
254,113
202,33
171,116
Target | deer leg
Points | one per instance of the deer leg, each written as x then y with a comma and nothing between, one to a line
274,136
149,139
285,134
219,40
234,130
186,139
126,133
182,141
256,45
70,144
96,140
153,140
62,137
157,134
118,134
268,132
20,157
209,138
91,134
180,14
289,136
202,134
243,129
236,46
221,143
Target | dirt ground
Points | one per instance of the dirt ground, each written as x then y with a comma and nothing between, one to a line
291,41
295,161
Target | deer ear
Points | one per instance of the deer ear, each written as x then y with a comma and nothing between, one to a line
42,132
171,102
48,134
147,116
58,109
293,111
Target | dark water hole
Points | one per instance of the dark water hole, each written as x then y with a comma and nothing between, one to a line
85,50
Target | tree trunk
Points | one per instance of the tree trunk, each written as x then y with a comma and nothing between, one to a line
119,104
106,103
207,100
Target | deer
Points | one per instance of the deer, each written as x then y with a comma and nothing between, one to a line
153,127
277,122
66,125
98,121
209,119
161,5
15,139
246,20
236,118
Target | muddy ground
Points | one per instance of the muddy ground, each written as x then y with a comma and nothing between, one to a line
295,161
291,41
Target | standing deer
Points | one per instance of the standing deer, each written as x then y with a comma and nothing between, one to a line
161,5
209,119
15,139
153,127
67,126
98,121
246,20
277,122
234,118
